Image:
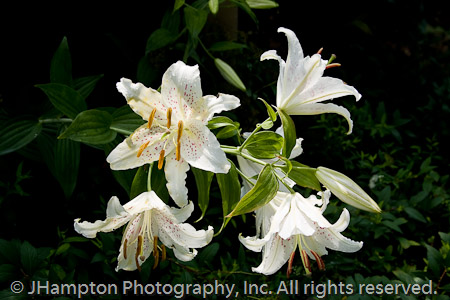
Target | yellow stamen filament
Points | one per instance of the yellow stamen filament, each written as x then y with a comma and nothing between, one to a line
151,118
125,245
161,159
138,252
169,117
142,148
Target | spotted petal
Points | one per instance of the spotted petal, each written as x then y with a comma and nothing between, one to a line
176,179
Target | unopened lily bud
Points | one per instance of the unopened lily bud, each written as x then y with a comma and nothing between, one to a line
229,74
346,189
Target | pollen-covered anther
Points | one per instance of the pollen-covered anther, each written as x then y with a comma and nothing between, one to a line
319,260
306,262
161,159
142,148
155,251
169,117
138,253
320,51
163,251
291,260
179,133
333,65
125,246
151,118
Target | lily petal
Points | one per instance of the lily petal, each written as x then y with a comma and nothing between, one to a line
223,102
181,89
125,155
276,254
142,99
116,216
176,179
201,149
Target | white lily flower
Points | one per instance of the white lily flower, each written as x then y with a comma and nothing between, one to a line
289,222
149,219
176,128
301,85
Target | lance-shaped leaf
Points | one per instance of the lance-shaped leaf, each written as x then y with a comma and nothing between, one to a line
303,175
263,191
346,189
67,161
272,114
261,4
16,134
230,129
92,127
265,144
125,120
85,85
229,74
64,98
160,38
225,46
289,133
140,183
195,20
61,65
203,181
230,191
214,6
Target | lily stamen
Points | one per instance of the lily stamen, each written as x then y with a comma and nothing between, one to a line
161,159
142,148
291,260
306,262
179,133
319,260
320,51
125,245
163,251
151,117
138,253
169,117
333,65
155,252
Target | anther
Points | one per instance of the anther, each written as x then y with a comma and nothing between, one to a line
319,260
161,159
156,255
169,117
151,117
180,131
320,51
125,245
142,148
306,262
333,65
163,250
155,251
138,253
291,260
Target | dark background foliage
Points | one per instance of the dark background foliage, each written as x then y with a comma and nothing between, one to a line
394,52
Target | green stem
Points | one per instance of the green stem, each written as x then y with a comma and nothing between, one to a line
149,178
284,183
60,120
206,50
258,128
122,131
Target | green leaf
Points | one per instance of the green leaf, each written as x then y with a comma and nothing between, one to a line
227,132
178,4
415,214
85,85
225,46
261,4
195,20
92,127
29,258
229,74
218,122
265,189
64,98
67,161
61,65
230,191
16,134
303,175
214,6
289,133
242,4
265,144
159,183
125,120
139,184
435,260
159,38
207,255
272,114
203,181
